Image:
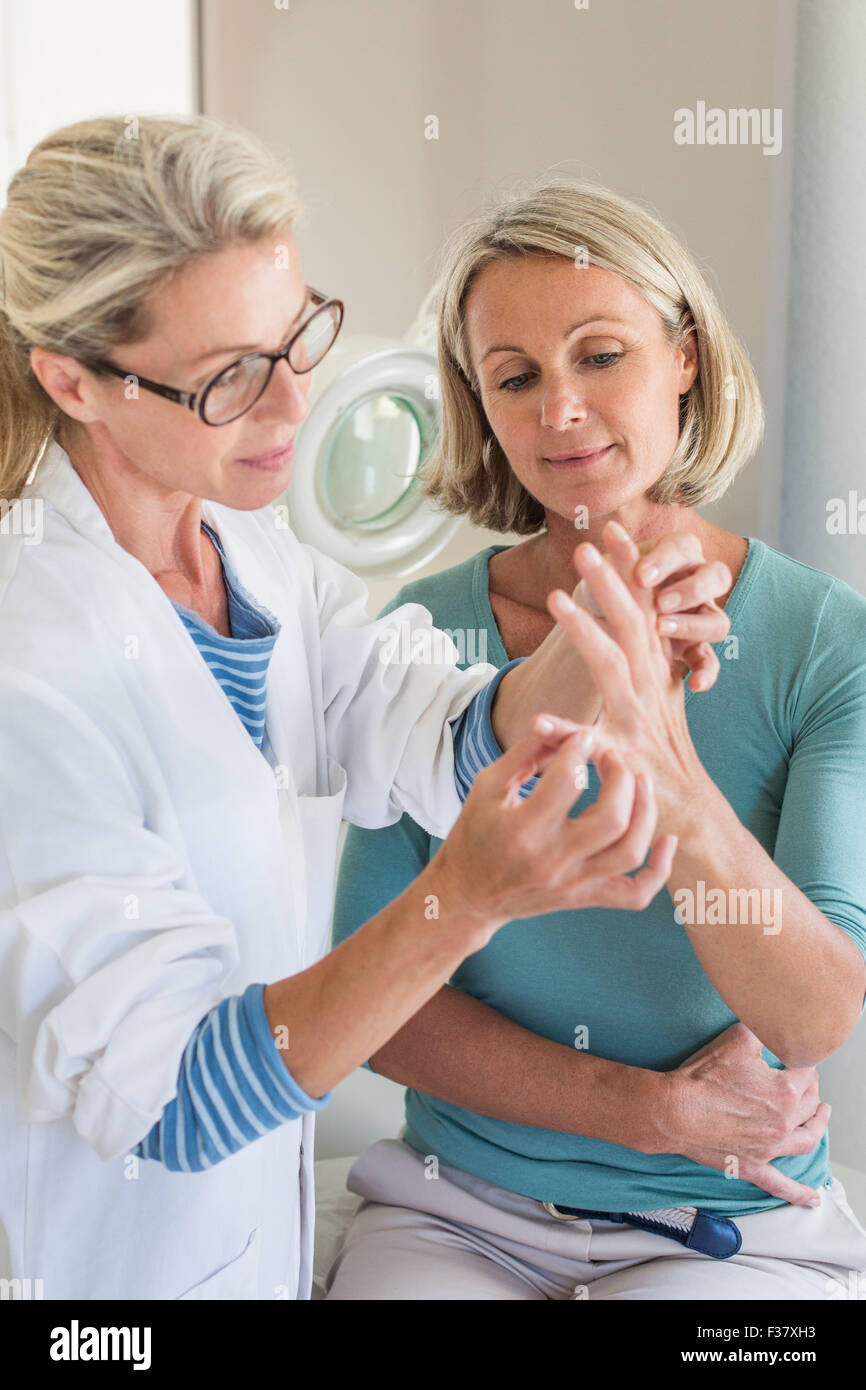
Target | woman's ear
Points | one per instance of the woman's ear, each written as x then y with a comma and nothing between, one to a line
687,359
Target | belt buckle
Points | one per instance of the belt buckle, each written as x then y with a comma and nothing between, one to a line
553,1210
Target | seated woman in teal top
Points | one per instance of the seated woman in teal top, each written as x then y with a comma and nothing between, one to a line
573,324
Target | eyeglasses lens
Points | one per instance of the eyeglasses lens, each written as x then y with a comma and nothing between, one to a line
239,386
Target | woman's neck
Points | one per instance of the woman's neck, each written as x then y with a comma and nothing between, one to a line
160,528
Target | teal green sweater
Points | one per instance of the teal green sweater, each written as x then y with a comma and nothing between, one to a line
783,735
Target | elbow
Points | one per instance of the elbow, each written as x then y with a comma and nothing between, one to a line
798,1057
811,1051
809,1047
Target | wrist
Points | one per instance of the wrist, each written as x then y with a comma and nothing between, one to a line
693,812
622,1104
661,1107
469,923
687,804
673,1113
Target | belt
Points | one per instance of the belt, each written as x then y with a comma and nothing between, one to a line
716,1236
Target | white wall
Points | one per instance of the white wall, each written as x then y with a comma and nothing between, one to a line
63,62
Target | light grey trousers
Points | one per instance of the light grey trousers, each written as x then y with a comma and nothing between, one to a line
455,1236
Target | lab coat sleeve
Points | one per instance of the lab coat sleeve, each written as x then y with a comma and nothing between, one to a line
108,960
391,688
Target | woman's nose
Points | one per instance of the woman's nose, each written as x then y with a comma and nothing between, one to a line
287,393
561,404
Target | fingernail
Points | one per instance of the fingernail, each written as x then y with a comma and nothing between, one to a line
649,573
590,554
667,625
544,726
670,601
814,1202
563,604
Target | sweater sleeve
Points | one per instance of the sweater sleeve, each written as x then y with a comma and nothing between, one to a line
475,744
821,839
232,1089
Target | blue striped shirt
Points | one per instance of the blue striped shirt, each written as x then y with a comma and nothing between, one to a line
233,1086
239,662
475,744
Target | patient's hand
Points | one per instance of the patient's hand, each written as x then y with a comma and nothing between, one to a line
729,1104
679,560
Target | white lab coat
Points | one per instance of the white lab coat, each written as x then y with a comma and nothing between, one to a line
154,862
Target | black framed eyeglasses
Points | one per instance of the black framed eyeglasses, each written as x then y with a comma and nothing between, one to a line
237,387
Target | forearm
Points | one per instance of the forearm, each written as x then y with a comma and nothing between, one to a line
468,1054
554,681
330,1018
793,977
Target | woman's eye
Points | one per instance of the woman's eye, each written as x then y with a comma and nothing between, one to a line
227,379
598,359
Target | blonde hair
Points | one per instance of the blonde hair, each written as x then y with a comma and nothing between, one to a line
721,416
102,212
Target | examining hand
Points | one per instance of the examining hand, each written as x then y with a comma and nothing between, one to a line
508,857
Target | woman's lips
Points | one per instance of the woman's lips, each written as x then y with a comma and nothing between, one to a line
572,462
271,463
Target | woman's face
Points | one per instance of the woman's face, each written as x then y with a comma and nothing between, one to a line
245,298
571,359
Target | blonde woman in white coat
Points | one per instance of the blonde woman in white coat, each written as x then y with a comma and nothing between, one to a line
168,824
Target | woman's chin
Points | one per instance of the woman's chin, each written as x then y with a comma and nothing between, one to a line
251,493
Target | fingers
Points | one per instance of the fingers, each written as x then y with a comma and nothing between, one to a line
635,893
624,555
608,819
564,782
778,1185
625,615
607,662
707,625
627,853
802,1139
704,584
667,556
553,728
808,1102
808,1080
687,604
520,762
703,664
685,635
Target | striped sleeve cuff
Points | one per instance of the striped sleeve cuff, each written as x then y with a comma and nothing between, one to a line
233,1087
475,744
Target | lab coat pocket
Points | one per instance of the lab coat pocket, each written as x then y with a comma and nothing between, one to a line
238,1278
320,818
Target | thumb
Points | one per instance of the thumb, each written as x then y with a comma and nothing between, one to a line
524,759
778,1185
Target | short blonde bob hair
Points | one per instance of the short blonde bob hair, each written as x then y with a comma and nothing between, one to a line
102,212
721,415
